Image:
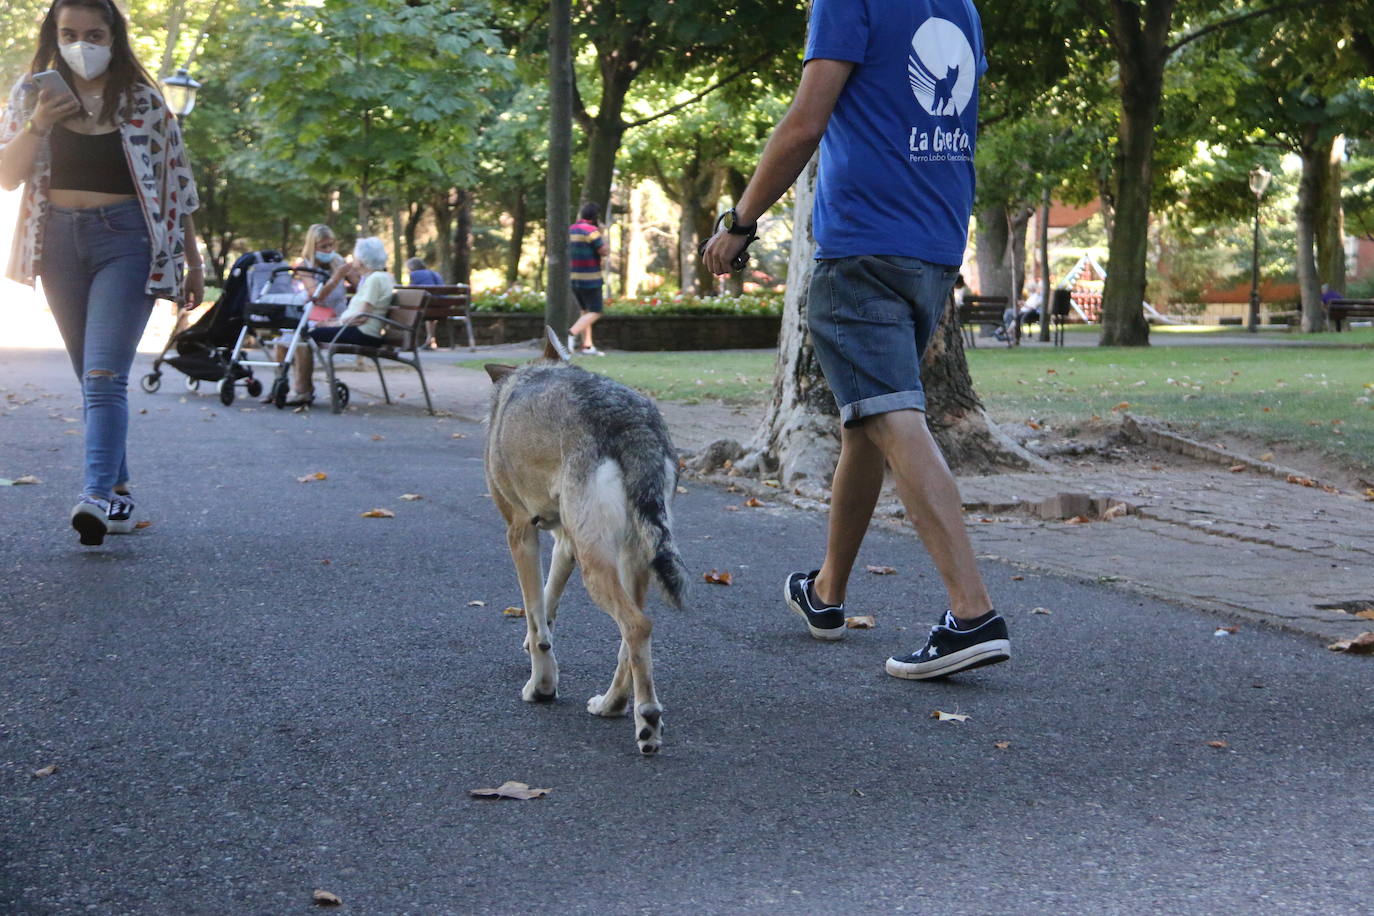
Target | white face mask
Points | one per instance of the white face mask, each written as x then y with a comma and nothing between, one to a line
87,61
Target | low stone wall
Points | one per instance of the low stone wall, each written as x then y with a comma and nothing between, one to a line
643,332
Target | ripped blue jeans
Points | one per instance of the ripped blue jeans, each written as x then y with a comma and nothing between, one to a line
94,271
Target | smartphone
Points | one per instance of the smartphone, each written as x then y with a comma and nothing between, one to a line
52,81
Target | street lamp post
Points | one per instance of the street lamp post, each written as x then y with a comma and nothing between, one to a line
179,90
1259,182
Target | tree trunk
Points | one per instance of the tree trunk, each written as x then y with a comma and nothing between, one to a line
517,239
619,66
735,182
1331,219
558,301
414,213
462,239
994,268
1020,223
1141,56
1315,164
443,225
686,238
704,216
397,237
971,442
799,438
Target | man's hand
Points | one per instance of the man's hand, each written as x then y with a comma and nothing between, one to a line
721,250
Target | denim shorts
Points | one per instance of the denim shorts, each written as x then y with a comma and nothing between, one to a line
871,318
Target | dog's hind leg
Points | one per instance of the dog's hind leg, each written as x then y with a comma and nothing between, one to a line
603,583
560,569
524,550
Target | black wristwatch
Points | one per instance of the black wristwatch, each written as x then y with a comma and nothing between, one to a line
732,224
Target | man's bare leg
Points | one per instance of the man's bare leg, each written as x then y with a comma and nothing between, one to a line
928,491
854,493
583,326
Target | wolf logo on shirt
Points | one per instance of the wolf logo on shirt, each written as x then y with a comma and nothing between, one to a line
939,46
944,92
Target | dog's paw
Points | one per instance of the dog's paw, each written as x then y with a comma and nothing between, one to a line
611,708
535,692
649,728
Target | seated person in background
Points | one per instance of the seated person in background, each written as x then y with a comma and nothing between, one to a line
420,275
1030,313
359,322
1329,295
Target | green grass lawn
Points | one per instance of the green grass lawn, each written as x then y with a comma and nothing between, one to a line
732,376
1319,396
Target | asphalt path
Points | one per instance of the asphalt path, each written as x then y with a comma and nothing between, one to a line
264,693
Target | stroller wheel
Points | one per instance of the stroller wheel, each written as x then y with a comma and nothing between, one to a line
254,387
192,383
340,396
279,389
151,382
226,391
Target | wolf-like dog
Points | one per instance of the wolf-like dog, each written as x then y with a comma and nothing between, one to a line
589,460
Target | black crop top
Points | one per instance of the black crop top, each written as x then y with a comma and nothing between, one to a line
89,162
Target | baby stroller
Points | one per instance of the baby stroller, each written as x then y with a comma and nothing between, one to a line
204,351
278,299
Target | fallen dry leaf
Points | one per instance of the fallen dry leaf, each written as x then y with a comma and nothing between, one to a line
1301,481
514,612
379,513
1032,424
1001,745
1236,468
325,898
318,475
777,485
1226,631
377,437
1365,615
26,480
948,716
411,497
861,622
1116,511
1156,467
1122,406
1360,645
1217,744
1018,578
510,789
718,578
140,525
46,771
1078,520
459,436
881,570
754,502
1267,456
732,508
682,489
1041,610
477,604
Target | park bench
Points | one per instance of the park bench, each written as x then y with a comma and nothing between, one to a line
403,333
448,305
1338,310
980,310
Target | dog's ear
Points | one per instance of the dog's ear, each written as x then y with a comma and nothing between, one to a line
553,347
498,371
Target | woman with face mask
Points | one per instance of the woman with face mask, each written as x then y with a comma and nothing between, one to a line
105,222
329,300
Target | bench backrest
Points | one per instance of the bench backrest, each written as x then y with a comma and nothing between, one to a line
451,301
408,309
1351,303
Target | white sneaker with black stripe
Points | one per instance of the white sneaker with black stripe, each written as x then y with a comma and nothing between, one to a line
950,649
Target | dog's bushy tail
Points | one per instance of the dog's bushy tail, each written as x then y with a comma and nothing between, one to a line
655,524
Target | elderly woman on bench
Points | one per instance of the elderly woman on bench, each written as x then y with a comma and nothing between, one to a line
359,322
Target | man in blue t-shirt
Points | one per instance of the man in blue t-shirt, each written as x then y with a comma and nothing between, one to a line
889,92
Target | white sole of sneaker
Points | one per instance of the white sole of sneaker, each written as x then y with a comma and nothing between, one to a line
90,525
986,653
125,526
816,632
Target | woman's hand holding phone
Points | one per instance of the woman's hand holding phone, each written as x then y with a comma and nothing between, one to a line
56,101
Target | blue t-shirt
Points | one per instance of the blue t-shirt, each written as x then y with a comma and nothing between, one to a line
425,277
896,172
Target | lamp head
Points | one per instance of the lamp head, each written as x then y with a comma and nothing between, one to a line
1259,180
179,90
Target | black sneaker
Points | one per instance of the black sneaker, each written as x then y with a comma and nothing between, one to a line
91,519
950,650
824,622
121,517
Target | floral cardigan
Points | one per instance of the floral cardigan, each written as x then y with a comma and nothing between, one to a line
161,174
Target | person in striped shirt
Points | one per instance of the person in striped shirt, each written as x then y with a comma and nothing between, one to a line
586,248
